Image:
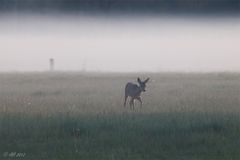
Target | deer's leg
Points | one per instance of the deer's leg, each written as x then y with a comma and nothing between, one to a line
131,103
140,100
125,100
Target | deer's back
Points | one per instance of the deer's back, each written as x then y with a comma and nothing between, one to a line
132,90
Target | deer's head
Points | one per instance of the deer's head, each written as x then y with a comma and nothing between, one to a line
142,84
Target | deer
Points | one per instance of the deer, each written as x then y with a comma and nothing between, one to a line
134,92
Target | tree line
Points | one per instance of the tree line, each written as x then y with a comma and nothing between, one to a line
122,5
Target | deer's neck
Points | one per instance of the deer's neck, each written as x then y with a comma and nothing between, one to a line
139,90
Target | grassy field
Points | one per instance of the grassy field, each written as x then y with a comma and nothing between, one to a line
70,116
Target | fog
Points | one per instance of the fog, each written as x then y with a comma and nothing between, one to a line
119,43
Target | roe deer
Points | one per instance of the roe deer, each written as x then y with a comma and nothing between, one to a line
134,91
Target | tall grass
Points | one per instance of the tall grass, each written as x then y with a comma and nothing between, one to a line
81,116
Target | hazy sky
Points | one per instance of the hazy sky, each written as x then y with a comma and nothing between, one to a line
136,43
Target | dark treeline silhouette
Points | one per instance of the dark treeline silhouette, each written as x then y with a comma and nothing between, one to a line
202,6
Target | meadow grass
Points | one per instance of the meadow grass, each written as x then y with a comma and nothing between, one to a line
81,116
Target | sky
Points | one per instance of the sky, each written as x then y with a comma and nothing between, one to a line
119,43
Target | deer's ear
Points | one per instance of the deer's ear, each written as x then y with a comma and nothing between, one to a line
138,79
146,80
